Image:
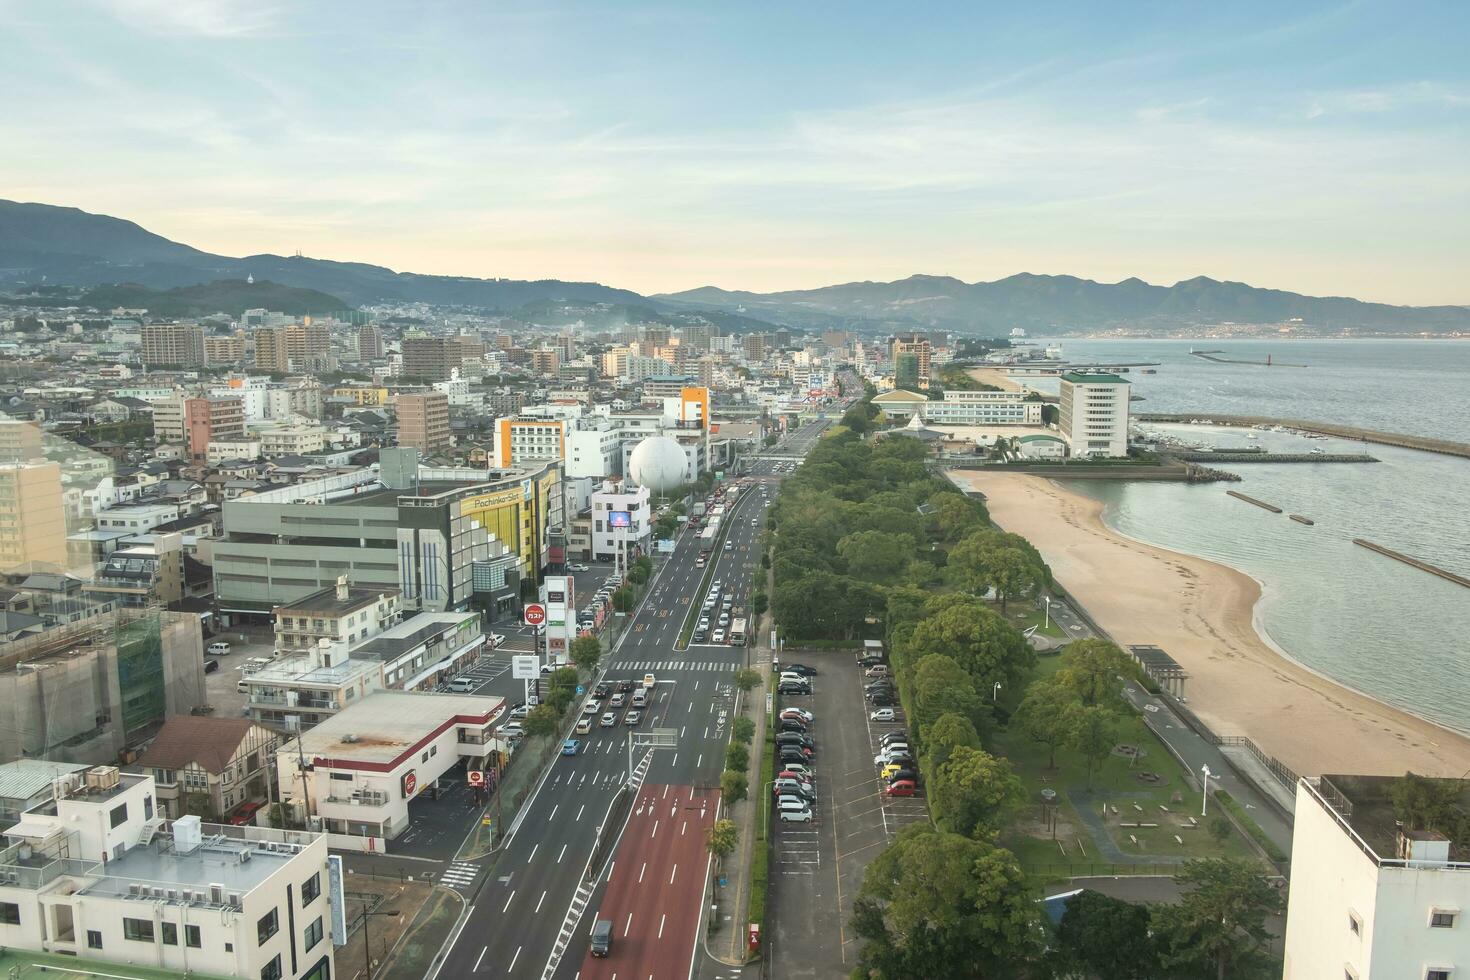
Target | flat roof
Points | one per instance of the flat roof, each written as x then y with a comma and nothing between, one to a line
410,633
1077,377
387,727
1366,804
325,601
84,968
385,496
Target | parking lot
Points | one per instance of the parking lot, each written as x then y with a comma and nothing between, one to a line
817,868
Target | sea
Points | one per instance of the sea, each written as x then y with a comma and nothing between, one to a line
1386,629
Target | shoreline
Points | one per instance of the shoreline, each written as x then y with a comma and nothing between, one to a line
1204,614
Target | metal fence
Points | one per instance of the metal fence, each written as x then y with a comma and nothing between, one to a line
1283,773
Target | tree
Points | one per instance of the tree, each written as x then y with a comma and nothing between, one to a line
1012,574
1091,668
759,603
637,575
974,793
623,599
944,907
1106,937
732,786
747,679
737,757
1220,922
1047,714
542,720
949,732
561,688
940,687
721,838
742,730
586,652
1094,734
1220,828
978,638
955,516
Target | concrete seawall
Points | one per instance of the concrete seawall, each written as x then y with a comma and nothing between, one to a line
1445,446
1423,566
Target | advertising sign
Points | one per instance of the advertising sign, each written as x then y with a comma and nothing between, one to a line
556,596
535,614
410,784
619,518
476,777
525,667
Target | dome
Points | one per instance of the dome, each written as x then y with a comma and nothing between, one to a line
657,463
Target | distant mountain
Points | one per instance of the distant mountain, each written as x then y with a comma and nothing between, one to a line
232,296
40,242
1064,304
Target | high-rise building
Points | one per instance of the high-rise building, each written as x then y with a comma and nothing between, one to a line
173,345
294,347
918,345
524,440
228,350
423,421
466,347
210,419
906,372
544,361
1093,414
430,358
369,342
20,441
756,346
32,518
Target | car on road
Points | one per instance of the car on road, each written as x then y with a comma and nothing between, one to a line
586,626
617,701
699,636
496,639
609,719
717,637
592,707
219,648
602,938
729,545
901,787
520,711
584,726
571,747
602,690
579,568
210,666
801,669
882,714
724,620
624,686
632,718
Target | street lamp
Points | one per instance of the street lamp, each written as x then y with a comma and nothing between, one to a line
995,692
367,949
1046,624
1205,797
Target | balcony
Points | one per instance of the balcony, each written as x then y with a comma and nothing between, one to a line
307,704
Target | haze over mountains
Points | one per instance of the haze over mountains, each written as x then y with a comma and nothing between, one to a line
66,246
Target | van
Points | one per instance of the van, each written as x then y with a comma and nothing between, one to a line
877,670
602,937
219,648
462,685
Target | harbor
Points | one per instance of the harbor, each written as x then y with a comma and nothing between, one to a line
1444,446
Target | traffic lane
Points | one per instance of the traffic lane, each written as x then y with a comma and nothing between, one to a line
654,893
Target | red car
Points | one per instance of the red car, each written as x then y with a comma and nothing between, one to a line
902,787
246,814
792,774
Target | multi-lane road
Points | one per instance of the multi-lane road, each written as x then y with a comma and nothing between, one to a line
652,886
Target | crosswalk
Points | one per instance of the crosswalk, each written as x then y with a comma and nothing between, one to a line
459,875
666,665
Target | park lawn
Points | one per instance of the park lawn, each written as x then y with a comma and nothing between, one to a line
1023,615
1115,783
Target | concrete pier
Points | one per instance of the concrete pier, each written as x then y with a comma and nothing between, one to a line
1444,446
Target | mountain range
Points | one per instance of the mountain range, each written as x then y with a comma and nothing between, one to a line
42,243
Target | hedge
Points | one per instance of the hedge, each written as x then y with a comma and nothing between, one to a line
1243,819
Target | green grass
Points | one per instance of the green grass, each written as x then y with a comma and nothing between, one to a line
1024,615
1243,819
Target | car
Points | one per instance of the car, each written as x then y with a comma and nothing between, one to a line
617,700
210,666
580,568
727,602
897,735
792,725
547,668
901,787
717,637
624,686
219,648
716,586
632,718
889,770
699,635
800,777
729,545
246,814
801,669
571,747
609,719
877,670
796,816
592,707
496,639
790,687
799,768
904,773
724,620
703,624
799,713
584,726
520,711
882,714
602,690
881,700
586,626
511,729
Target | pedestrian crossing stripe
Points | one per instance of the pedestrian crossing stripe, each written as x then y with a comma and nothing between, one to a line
675,665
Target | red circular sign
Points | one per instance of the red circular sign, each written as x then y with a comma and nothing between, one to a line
535,614
410,783
477,778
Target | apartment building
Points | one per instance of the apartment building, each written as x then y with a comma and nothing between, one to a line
225,350
20,441
219,764
1093,414
99,874
292,347
423,422
173,345
1374,894
918,345
207,419
369,342
525,439
431,358
545,361
339,612
32,516
292,440
620,522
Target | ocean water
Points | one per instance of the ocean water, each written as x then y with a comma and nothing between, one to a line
1384,628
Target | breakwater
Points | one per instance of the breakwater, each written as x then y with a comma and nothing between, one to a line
1214,355
1444,446
1263,457
1252,500
1413,562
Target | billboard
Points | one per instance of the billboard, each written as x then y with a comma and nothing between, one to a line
619,518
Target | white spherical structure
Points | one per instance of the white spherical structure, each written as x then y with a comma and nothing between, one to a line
657,463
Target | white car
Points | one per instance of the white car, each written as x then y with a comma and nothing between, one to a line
883,714
512,729
796,816
496,639
520,711
609,719
579,568
718,637
591,708
799,713
219,648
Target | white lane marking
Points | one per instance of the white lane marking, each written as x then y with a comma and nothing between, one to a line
513,959
507,902
654,831
562,854
539,901
476,968
628,925
661,919
579,812
532,855
672,873
553,813
640,872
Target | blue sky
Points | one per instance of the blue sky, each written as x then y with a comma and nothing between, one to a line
1322,148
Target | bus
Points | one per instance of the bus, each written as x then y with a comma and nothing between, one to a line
737,633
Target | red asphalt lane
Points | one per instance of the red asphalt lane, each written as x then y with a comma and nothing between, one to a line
655,919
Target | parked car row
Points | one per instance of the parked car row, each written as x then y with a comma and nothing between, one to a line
897,772
591,616
796,796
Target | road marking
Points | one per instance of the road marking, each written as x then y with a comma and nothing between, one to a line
476,968
661,919
675,760
683,827
532,856
654,831
666,790
553,813
508,901
699,760
672,873
626,926
579,812
513,959
640,872
562,854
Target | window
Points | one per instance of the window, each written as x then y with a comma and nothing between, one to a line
1355,924
1436,974
170,933
272,970
147,808
9,914
310,889
313,933
266,927
140,930
1442,919
119,815
191,937
94,939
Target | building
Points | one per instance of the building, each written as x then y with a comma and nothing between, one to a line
98,874
339,612
369,342
983,408
208,419
225,350
27,782
142,575
423,422
425,650
173,345
207,765
32,516
918,345
292,347
297,690
1038,446
1375,894
20,442
523,440
621,527
900,404
906,371
431,358
544,361
365,764
1093,414
363,395
292,439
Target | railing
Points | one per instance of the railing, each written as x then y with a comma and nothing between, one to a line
364,798
1275,766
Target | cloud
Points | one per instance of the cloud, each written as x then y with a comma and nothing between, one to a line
1395,98
222,19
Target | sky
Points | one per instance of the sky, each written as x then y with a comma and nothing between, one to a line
1318,147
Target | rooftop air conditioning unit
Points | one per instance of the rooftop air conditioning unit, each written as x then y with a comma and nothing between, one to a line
102,778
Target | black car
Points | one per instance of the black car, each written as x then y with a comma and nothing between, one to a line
792,725
801,669
790,687
904,774
793,755
881,700
624,687
602,690
795,738
892,737
210,666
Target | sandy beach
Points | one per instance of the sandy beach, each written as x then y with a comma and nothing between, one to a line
1201,612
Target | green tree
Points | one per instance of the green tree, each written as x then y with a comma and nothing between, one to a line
977,638
1219,923
1220,828
733,786
737,757
742,730
586,653
1091,668
955,516
949,732
759,603
637,575
974,793
1101,936
623,599
1094,735
1047,714
1013,574
944,907
561,688
747,679
542,720
941,687
721,838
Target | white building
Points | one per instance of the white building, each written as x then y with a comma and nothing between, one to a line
982,408
620,521
97,874
365,764
1093,414
222,450
1371,900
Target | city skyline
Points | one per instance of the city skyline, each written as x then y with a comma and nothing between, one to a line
659,148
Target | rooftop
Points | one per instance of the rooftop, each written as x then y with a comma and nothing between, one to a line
327,602
21,963
24,778
386,726
1366,805
209,741
410,633
1079,378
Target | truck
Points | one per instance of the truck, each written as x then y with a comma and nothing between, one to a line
697,510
